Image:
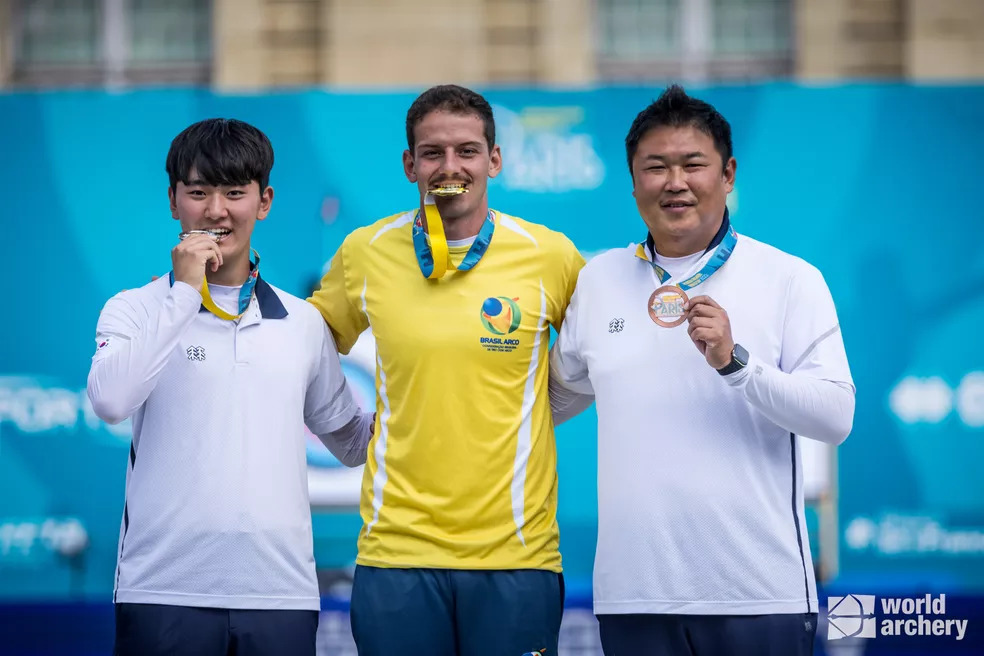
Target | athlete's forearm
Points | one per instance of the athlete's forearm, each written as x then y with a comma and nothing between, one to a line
812,407
350,443
566,403
133,351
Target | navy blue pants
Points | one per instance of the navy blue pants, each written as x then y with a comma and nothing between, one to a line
445,612
708,635
157,630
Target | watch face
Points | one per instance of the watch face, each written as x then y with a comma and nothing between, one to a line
740,354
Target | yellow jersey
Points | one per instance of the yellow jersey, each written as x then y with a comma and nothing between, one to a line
461,471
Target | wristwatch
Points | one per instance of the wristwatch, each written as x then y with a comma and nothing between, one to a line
739,358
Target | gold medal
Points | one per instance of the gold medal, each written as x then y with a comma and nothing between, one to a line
666,306
449,189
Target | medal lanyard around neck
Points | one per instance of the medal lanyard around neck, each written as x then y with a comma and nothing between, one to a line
716,260
431,246
245,293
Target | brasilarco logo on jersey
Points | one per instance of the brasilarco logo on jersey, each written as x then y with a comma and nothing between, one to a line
501,316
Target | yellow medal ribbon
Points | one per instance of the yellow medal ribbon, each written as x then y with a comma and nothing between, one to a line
438,241
215,309
245,294
431,247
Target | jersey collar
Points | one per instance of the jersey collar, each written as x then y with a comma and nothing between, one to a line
270,305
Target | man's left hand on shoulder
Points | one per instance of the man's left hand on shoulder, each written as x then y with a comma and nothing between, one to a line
710,330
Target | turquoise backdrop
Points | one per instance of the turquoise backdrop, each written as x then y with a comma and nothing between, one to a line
878,186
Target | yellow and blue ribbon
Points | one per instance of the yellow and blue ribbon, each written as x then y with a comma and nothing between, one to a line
431,245
245,293
723,244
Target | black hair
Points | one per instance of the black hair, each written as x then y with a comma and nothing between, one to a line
222,152
450,98
674,108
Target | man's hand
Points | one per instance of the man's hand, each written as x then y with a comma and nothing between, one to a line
710,329
190,257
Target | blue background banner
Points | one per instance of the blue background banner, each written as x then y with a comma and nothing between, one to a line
875,185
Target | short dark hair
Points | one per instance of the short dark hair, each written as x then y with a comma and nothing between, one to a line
454,99
674,108
223,152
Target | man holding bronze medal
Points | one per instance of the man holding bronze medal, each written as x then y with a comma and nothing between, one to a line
459,550
220,372
727,350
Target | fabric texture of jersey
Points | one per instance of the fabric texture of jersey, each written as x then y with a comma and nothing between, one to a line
461,471
217,511
700,495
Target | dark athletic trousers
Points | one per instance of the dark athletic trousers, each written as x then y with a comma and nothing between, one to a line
448,612
708,635
158,630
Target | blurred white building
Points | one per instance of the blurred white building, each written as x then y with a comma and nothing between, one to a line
257,44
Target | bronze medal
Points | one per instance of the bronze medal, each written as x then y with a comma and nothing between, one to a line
666,306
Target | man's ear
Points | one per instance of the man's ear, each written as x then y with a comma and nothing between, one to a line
173,202
495,161
266,199
408,168
730,170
